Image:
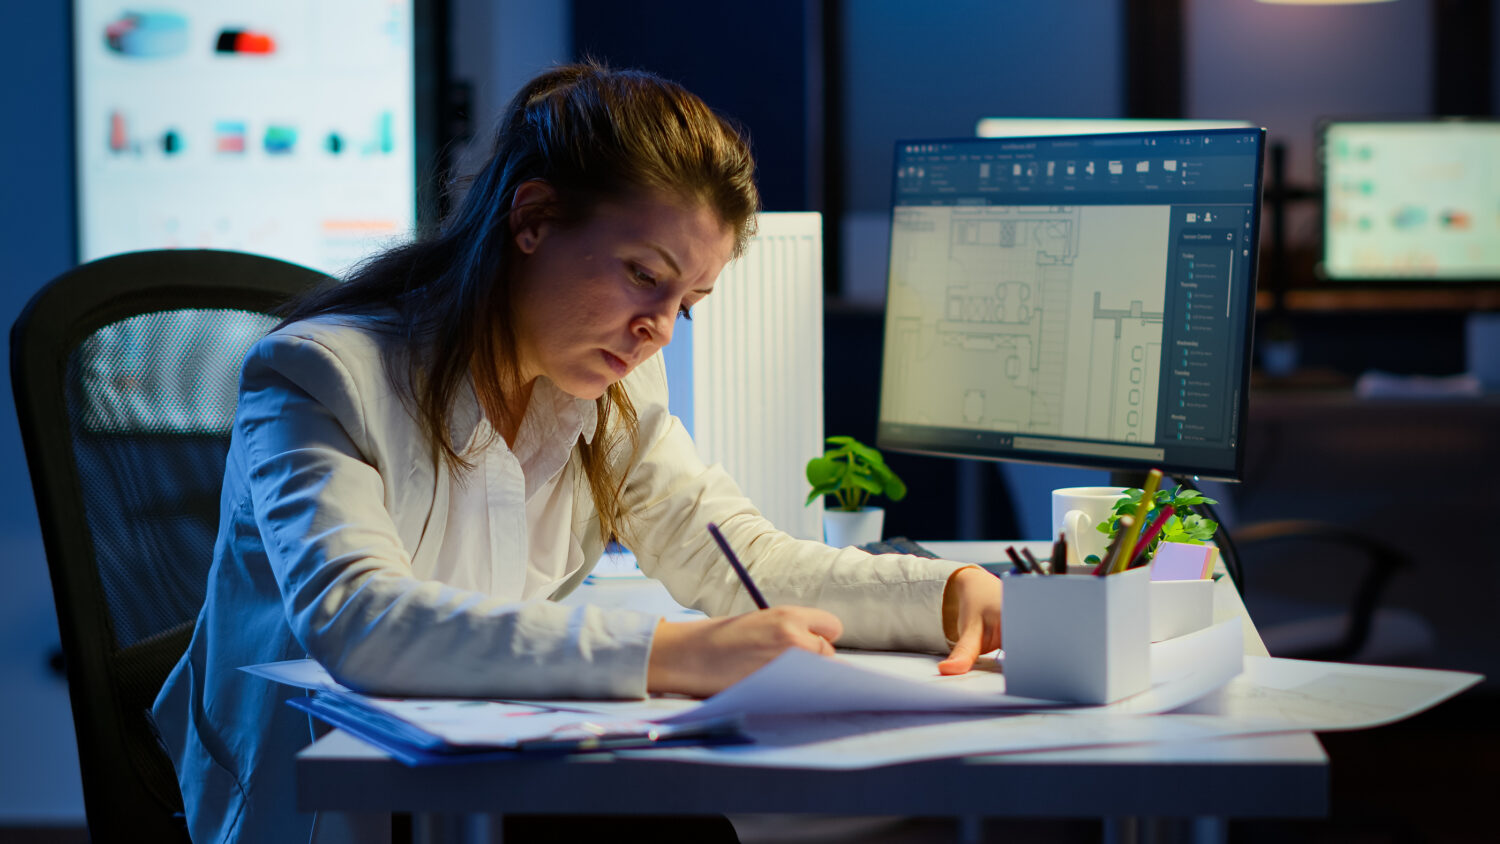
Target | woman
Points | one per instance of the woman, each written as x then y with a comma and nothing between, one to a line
425,455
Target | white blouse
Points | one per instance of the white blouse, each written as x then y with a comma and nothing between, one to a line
342,538
524,496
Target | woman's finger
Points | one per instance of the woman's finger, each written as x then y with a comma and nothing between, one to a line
964,652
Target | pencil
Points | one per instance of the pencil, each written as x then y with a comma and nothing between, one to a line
1150,534
1015,560
739,569
1112,553
1032,561
1127,545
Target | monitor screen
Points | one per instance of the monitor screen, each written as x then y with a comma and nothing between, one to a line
1415,201
1082,300
1013,127
283,129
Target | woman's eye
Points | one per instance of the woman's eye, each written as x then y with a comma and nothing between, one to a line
685,312
642,277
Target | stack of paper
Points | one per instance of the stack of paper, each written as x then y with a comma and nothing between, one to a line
866,709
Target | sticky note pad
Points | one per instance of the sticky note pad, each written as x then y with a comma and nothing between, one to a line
1179,561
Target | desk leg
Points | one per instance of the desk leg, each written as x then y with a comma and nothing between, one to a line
1200,830
1122,831
971,829
443,828
1209,830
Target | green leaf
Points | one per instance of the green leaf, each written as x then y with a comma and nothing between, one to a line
869,455
856,472
821,470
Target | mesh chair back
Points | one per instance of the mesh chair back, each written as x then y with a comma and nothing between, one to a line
125,373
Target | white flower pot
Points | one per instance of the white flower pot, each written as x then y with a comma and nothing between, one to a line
853,527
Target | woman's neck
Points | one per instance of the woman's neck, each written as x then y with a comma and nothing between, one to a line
510,426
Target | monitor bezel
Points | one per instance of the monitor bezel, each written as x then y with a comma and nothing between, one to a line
1322,279
1240,418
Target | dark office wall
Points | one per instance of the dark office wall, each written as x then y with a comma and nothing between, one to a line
756,63
1287,67
36,214
39,769
932,70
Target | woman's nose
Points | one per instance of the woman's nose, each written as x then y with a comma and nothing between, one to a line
655,328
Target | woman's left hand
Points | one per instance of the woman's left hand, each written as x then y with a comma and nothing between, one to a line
971,617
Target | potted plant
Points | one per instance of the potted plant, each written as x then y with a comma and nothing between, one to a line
1183,526
852,473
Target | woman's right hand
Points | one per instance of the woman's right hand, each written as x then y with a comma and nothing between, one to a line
700,658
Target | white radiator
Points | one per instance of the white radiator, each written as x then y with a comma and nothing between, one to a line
758,369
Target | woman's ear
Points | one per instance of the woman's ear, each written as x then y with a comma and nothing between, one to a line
529,217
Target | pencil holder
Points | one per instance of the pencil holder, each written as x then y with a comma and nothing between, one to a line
1077,637
1180,607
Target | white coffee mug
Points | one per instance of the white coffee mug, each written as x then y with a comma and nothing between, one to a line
1076,514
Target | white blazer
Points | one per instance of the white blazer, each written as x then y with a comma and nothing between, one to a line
333,504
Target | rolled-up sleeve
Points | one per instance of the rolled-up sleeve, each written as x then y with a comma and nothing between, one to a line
321,493
887,601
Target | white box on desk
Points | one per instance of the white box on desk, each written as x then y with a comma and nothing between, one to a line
1180,607
1077,637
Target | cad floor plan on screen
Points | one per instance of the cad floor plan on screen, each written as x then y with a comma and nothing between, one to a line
1017,318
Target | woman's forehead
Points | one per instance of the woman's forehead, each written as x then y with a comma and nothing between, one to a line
666,220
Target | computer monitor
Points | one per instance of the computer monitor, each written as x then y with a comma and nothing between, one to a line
1414,201
1082,300
299,133
1027,127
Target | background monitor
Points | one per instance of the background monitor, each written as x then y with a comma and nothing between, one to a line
285,129
1081,300
1411,201
1026,127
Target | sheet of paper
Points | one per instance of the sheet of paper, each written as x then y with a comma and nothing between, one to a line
302,673
488,723
862,740
1271,696
801,683
796,706
1281,694
1186,669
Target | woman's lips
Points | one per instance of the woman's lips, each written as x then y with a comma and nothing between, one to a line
615,363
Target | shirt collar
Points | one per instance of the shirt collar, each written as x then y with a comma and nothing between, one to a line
553,414
573,416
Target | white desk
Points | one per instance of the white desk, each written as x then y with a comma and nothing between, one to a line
1261,776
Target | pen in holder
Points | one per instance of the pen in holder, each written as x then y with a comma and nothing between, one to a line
1077,638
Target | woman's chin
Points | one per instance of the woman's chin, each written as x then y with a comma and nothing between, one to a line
588,389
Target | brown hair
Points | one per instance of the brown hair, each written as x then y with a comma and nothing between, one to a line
593,134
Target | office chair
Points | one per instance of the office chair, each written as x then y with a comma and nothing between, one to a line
1363,631
125,374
